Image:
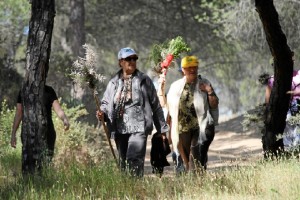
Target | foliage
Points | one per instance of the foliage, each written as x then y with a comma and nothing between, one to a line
244,25
294,120
175,47
214,12
264,78
14,16
84,72
163,54
153,21
226,35
294,147
78,174
6,119
82,142
252,181
10,85
156,53
255,118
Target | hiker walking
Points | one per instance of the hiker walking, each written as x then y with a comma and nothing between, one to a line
291,136
32,160
130,106
189,102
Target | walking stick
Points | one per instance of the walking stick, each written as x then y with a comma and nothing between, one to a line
105,128
84,74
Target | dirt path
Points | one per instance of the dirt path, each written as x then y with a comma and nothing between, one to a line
232,145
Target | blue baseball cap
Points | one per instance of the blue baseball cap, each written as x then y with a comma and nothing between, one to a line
126,52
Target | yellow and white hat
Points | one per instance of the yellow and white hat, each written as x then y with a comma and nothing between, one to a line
189,61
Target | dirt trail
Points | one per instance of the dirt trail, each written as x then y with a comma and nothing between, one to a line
232,145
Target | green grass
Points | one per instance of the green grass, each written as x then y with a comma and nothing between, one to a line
82,170
260,180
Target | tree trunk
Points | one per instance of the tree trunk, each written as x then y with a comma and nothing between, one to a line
283,72
34,121
76,30
76,37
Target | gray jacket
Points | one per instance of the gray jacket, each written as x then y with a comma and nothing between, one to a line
149,102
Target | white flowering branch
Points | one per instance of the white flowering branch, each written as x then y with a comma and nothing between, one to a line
84,74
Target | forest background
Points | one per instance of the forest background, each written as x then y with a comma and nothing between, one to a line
226,35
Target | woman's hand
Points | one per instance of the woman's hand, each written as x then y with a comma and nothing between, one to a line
204,87
13,141
293,92
66,124
161,85
100,115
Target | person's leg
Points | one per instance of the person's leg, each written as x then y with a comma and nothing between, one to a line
174,158
205,141
178,162
184,148
195,150
50,137
136,153
121,141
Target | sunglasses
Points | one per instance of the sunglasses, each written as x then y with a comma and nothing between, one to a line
128,59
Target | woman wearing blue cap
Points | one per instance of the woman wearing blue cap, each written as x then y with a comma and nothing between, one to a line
130,107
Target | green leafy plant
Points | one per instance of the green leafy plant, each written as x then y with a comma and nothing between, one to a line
82,143
6,119
255,118
264,78
163,54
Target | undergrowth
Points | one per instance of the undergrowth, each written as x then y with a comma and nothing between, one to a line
83,168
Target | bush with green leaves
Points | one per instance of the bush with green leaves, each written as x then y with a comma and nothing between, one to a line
82,142
6,119
255,119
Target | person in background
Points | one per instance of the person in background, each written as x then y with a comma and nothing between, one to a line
130,107
291,137
177,160
189,101
50,101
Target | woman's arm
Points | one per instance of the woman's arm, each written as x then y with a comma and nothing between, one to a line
268,94
161,91
213,100
61,114
16,123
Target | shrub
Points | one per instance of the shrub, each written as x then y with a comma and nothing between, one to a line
6,120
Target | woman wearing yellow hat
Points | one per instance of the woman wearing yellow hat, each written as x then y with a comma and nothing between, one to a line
189,102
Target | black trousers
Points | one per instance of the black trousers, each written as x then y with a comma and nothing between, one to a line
204,143
132,152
